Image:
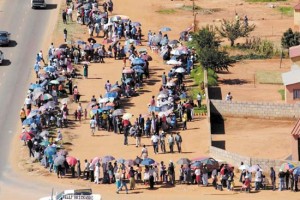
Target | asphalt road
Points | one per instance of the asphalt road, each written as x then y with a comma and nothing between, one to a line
29,30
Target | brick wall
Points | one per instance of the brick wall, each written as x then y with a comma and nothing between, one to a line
255,109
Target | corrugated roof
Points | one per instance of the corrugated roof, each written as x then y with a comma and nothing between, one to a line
297,7
294,51
296,129
291,77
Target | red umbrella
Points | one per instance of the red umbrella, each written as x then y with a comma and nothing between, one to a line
71,161
25,136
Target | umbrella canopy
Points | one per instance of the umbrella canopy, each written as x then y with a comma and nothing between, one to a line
110,104
25,136
137,67
165,29
49,69
139,71
46,97
115,89
63,46
71,161
127,71
254,168
173,42
49,151
59,160
95,160
174,62
54,82
180,70
97,45
138,61
111,95
107,159
118,112
170,84
121,160
27,121
80,42
62,152
33,113
127,116
162,95
44,133
286,166
115,18
138,160
61,79
183,161
244,167
129,162
45,143
176,52
296,171
141,50
147,161
136,24
64,100
91,40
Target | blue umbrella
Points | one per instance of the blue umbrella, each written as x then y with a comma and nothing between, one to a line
121,160
111,95
96,45
127,80
95,111
138,61
49,69
147,161
80,42
34,86
106,159
49,151
138,67
139,71
136,24
27,121
164,41
296,171
165,29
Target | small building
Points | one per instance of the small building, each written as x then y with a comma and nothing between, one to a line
291,81
294,53
297,15
296,142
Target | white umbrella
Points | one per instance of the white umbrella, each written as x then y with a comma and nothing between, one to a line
175,52
254,168
173,62
104,100
127,116
244,167
180,70
161,96
169,84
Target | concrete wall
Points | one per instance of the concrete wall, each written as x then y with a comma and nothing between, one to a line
296,18
236,159
289,93
255,109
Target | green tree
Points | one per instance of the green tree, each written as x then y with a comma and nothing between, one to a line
205,38
233,30
290,38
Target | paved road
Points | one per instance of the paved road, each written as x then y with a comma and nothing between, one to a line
29,30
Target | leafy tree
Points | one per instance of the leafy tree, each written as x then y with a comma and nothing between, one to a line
233,30
205,38
290,38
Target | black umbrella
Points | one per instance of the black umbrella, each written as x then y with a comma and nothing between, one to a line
92,40
63,46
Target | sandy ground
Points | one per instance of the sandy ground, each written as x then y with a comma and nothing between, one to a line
195,139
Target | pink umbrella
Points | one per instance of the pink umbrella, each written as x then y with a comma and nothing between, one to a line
71,161
95,160
110,104
26,136
127,70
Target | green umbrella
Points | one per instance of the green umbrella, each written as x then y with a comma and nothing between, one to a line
45,143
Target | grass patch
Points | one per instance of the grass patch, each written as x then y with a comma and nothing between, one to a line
198,75
200,10
190,8
268,77
288,11
166,11
265,0
282,93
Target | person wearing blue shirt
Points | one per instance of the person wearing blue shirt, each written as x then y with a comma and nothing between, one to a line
37,68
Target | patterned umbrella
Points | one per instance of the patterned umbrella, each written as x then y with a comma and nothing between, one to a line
296,171
46,97
286,166
25,136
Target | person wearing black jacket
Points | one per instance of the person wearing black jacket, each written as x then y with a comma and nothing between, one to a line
273,178
30,147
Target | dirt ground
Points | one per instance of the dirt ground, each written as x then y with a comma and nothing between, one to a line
196,138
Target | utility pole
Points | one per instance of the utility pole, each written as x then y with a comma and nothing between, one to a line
195,16
193,7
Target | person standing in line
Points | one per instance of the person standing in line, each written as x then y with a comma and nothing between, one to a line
22,114
291,181
78,169
85,70
184,121
37,68
92,168
41,56
93,126
178,140
132,173
171,142
86,169
199,99
30,147
154,140
64,16
273,178
97,173
65,34
287,178
164,79
281,176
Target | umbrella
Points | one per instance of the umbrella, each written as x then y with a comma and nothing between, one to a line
64,100
129,162
71,161
27,121
62,152
140,50
115,89
26,136
296,171
138,160
104,100
85,62
147,161
96,45
59,160
92,40
254,168
173,62
130,41
137,67
176,52
173,42
107,41
165,29
136,24
110,104
146,57
45,143
38,89
46,97
127,116
44,133
80,42
107,159
34,86
115,18
183,161
95,160
138,61
180,70
118,112
244,167
139,71
49,69
111,95
49,151
127,71
54,82
196,164
61,79
106,108
286,166
63,46
121,160
170,84
33,113
162,95
127,80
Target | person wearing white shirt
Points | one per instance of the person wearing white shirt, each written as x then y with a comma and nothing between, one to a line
155,139
28,102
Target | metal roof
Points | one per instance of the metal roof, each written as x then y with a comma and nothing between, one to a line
294,51
291,77
296,129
